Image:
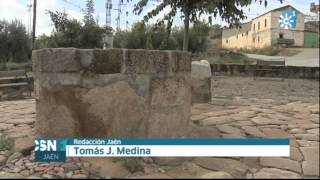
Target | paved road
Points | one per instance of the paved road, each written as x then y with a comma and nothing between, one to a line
306,57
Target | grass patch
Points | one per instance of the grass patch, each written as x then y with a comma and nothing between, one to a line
234,58
6,143
14,66
269,51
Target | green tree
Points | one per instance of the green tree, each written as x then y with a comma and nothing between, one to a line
15,43
229,11
67,31
142,36
89,11
70,32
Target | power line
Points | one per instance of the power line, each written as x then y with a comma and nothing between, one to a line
119,9
74,5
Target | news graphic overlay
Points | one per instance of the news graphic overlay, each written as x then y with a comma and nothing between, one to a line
57,150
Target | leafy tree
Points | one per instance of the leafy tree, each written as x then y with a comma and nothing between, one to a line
229,11
89,11
143,36
70,32
67,31
15,43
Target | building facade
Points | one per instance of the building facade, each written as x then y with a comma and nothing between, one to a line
278,25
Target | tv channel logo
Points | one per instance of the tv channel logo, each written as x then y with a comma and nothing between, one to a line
45,145
50,150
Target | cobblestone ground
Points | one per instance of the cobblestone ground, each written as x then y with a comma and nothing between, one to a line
274,109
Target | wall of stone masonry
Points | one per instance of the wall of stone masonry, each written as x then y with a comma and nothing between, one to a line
248,70
111,93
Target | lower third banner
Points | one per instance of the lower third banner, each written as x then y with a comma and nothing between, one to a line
57,150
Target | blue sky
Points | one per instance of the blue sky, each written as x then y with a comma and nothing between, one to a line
11,9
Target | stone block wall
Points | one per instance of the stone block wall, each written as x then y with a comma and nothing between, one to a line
111,93
248,70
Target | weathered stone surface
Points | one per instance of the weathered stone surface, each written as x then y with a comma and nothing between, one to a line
20,121
201,90
3,160
117,115
200,69
187,170
229,129
295,154
112,93
216,120
252,162
281,163
153,176
306,143
194,131
233,167
4,126
267,121
297,131
310,153
14,156
201,81
106,61
253,131
309,137
311,168
197,117
24,144
217,175
314,131
168,122
272,132
107,168
273,173
155,62
7,175
170,161
169,92
56,60
223,112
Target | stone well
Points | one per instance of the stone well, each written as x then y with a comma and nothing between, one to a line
111,93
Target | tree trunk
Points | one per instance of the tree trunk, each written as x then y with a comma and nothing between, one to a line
186,30
34,21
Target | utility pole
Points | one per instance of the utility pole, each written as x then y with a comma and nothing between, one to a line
29,6
119,9
108,12
34,21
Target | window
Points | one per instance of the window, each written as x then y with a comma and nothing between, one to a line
247,33
253,40
258,25
258,39
265,23
281,36
254,27
242,34
227,41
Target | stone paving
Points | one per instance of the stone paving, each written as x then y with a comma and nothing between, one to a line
232,116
